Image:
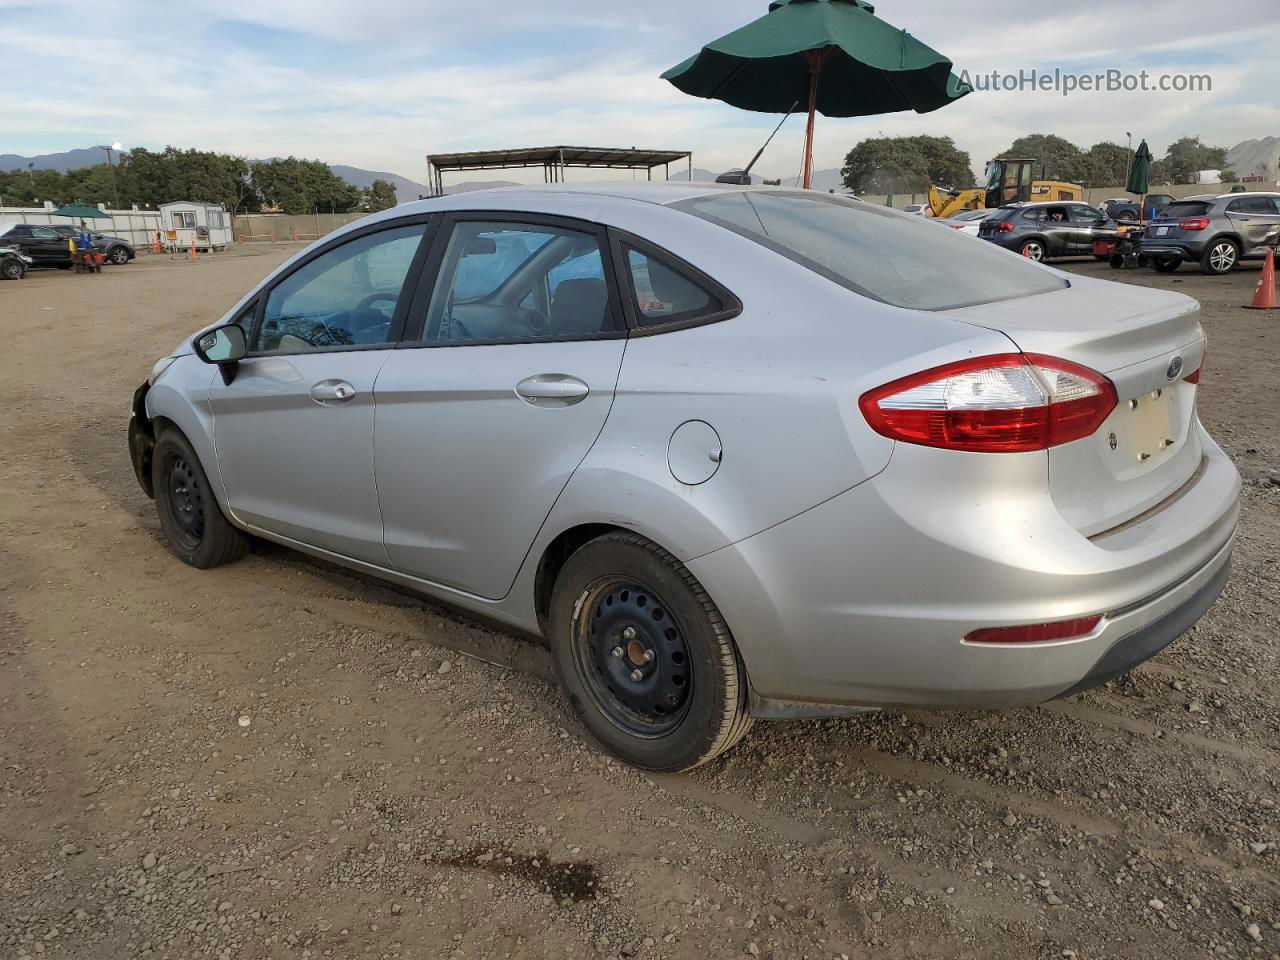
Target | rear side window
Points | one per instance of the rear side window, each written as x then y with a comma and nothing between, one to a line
664,294
1260,205
876,252
1185,208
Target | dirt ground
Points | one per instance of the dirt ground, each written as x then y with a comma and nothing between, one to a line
277,759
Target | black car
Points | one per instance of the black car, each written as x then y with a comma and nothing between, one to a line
117,249
1039,231
47,245
1217,232
1128,211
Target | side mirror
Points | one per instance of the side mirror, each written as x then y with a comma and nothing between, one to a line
224,346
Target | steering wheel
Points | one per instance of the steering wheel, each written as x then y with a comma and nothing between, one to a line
374,297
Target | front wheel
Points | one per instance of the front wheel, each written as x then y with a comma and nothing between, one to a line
190,517
1220,257
119,256
645,656
1033,250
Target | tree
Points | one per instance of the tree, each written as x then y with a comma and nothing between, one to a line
886,165
302,186
1059,159
1227,176
379,195
1106,165
1188,156
948,165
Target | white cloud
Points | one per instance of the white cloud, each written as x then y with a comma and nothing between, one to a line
397,79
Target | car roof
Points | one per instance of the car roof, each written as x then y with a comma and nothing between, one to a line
662,193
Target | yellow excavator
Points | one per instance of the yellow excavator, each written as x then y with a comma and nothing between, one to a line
1009,180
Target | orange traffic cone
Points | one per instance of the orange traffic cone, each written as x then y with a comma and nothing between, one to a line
1265,298
193,248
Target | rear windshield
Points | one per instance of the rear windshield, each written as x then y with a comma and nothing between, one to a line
1185,208
878,253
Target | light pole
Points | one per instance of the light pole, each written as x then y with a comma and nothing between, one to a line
115,193
1128,164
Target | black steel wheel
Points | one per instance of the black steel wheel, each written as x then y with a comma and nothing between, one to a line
633,653
645,656
189,514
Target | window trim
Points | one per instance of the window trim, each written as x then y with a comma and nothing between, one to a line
396,331
640,326
419,303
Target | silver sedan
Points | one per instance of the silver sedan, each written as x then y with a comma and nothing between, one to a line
733,453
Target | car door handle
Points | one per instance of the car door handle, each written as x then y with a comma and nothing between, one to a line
552,390
332,391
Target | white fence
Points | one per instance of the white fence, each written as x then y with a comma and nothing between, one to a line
136,226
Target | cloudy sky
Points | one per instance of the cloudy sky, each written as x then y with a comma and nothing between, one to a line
380,83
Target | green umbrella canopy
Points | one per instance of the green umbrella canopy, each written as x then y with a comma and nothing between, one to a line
1140,170
838,54
869,67
80,211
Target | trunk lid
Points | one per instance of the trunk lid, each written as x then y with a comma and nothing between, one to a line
1165,225
1146,342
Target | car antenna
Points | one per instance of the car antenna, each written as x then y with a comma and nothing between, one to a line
792,110
744,176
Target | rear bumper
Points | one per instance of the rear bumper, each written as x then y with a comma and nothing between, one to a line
1164,249
864,600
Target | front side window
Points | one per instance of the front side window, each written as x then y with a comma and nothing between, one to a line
1088,215
504,281
664,294
344,297
902,261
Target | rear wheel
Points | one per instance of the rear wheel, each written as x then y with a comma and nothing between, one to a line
1127,216
190,517
1220,257
1033,250
1166,264
645,656
11,268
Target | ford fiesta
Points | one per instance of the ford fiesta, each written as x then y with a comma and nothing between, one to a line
734,453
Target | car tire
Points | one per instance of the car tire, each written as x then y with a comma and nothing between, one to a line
13,269
1127,216
1166,264
118,256
190,516
1034,250
645,656
1220,257
1102,257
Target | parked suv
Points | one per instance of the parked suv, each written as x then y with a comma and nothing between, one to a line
1216,232
1039,231
46,244
1127,210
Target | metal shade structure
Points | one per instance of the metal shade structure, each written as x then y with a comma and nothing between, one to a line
81,211
554,161
836,55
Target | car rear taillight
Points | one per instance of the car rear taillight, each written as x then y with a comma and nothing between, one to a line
1006,403
1193,223
1004,226
1036,632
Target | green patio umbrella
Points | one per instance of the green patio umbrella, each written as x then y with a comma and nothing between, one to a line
1140,177
836,53
81,211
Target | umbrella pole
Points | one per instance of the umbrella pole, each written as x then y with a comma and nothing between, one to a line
815,58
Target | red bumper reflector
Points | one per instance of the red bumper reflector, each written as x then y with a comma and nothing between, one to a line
1035,632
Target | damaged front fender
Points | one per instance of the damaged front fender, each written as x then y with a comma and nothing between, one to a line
142,439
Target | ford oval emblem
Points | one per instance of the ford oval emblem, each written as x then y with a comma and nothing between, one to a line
1175,368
